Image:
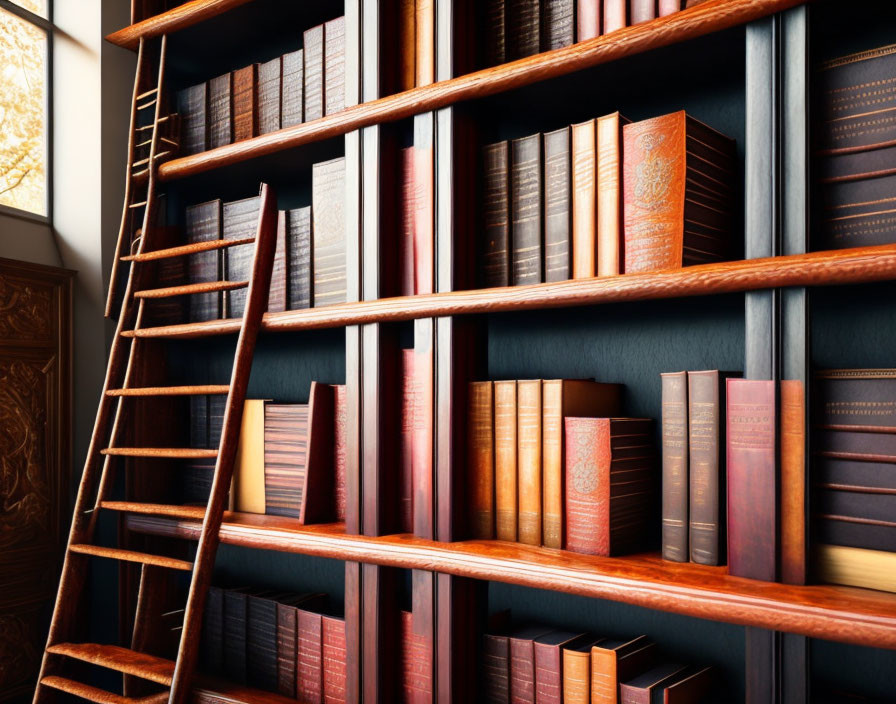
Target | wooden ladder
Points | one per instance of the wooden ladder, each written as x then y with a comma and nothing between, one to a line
107,446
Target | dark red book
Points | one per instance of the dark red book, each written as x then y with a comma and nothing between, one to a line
522,663
245,103
558,24
406,235
220,111
422,437
496,669
495,247
548,651
407,441
270,78
333,639
752,480
856,399
309,651
339,458
668,7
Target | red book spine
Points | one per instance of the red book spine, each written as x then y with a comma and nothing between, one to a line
752,484
339,460
416,678
587,485
408,214
548,674
407,441
667,7
614,15
309,672
333,655
587,19
522,671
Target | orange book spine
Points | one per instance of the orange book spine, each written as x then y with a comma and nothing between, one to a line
576,677
529,416
481,461
609,194
584,200
552,465
793,482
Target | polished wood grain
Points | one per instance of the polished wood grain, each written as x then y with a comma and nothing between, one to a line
114,657
186,249
180,453
187,289
99,696
179,17
132,556
206,389
859,616
827,268
236,693
193,513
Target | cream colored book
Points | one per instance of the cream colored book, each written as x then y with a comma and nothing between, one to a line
247,489
856,567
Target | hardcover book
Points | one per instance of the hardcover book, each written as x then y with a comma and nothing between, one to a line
557,205
529,439
333,653
615,15
406,449
407,50
212,639
577,672
506,509
298,257
558,24
643,11
261,642
407,263
858,213
526,182
292,100
609,194
248,492
643,688
548,652
313,49
328,231
857,399
676,480
793,482
309,667
856,567
424,206
235,613
496,215
245,103
203,224
668,7
240,221
339,450
584,200
192,105
334,66
615,661
416,677
496,669
270,78
220,111
481,460
277,291
287,657
522,663
496,34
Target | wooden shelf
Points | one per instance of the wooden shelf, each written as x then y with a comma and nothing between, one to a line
706,18
842,266
858,616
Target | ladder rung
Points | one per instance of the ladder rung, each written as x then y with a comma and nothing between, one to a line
184,250
124,660
206,389
186,289
189,513
99,696
142,162
170,141
151,91
131,556
178,453
139,176
134,206
147,105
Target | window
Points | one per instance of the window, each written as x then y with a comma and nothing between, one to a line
24,105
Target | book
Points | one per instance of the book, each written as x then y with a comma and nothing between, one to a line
506,508
211,646
220,111
203,224
856,567
481,460
416,678
642,11
425,32
617,660
496,33
562,398
197,476
407,50
793,482
558,24
752,479
424,206
298,257
407,263
261,642
548,658
588,16
339,451
610,247
496,669
406,447
854,445
333,659
557,205
690,687
857,399
277,290
526,183
248,492
235,653
245,103
496,244
328,232
422,435
292,90
192,105
317,491
584,200
615,15
334,66
610,484
309,667
313,54
577,672
643,688
217,405
270,78
239,221
523,37
529,475
668,7
676,480
857,213
287,654
522,662
285,457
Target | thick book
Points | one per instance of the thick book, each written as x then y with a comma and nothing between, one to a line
425,32
328,232
588,17
668,7
584,200
548,652
614,661
856,567
245,103
313,54
854,166
496,32
270,80
577,672
416,678
793,482
424,206
287,654
644,688
558,24
211,646
248,492
197,478
610,246
526,183
261,642
406,252
203,224
278,290
495,252
856,399
610,484
506,506
642,11
239,221
752,479
481,459
406,445
560,399
298,258
333,659
292,90
615,15
676,481
334,66
523,36
309,654
339,451
235,625
285,457
220,111
192,105
522,663
557,205
529,474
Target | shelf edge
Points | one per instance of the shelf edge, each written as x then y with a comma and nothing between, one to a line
180,17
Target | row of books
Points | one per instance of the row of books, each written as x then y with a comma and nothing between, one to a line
264,97
606,197
275,641
535,663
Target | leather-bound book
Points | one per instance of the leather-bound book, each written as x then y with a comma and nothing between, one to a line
199,421
548,652
588,17
245,103
495,255
854,532
333,650
309,664
481,461
752,480
558,24
406,236
292,90
285,457
676,482
615,661
298,257
235,613
584,200
668,7
339,451
192,105
522,663
577,672
496,33
270,77
197,480
557,205
216,407
857,399
615,15
334,66
407,49
642,11
328,231
248,491
203,224
261,642
239,221
317,491
562,398
853,166
523,36
529,437
496,669
610,484
506,507
277,292
424,207
287,655
642,689
690,687
425,25
220,111
706,466
526,182
313,48
406,449
211,646
610,244
416,677
852,445
855,567
793,482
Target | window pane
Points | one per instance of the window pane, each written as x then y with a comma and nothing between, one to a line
38,7
23,109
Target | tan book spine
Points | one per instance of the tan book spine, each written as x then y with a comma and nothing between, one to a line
584,200
576,677
552,466
506,508
248,474
529,416
481,464
609,194
793,482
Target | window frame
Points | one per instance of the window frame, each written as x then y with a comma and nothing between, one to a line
45,24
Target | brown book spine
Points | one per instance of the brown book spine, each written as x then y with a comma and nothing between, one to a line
558,24
333,659
614,15
523,29
668,7
557,205
496,34
286,650
588,16
506,507
309,667
426,50
584,200
496,215
285,457
220,111
203,223
407,441
529,435
245,103
408,211
192,104
526,181
552,462
496,669
270,79
407,52
328,231
576,677
793,482
752,484
334,66
277,296
609,195
339,449
292,99
314,72
481,462
856,399
643,11
675,467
